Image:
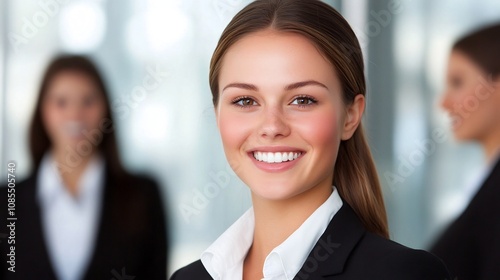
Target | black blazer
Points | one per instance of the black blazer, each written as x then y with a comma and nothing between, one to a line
471,245
347,251
131,238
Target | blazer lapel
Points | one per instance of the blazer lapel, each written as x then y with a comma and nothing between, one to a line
104,230
329,255
32,246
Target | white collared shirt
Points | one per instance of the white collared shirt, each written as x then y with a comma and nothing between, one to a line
224,258
70,223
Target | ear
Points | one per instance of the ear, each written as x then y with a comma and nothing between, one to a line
354,114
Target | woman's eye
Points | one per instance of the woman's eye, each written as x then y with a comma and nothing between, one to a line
61,102
245,102
456,82
303,101
88,102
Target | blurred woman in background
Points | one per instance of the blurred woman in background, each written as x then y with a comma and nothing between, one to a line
471,245
80,214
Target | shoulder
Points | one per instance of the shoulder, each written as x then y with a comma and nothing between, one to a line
489,191
131,199
136,191
139,181
19,189
479,221
146,185
21,184
194,271
133,186
391,260
471,237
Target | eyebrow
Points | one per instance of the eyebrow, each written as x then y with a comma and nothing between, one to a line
242,86
287,88
305,83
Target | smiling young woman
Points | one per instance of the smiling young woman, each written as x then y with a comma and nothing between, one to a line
288,88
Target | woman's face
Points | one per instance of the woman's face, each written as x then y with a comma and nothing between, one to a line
281,115
471,98
72,107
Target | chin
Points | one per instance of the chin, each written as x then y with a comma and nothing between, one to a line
463,135
274,190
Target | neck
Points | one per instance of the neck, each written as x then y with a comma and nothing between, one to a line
71,172
491,147
276,220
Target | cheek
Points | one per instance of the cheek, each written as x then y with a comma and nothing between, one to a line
95,115
479,103
51,116
488,110
489,97
234,130
321,129
471,90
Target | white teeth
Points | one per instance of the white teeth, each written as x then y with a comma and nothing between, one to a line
270,157
276,157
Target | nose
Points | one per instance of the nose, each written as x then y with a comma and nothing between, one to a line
75,110
446,101
274,124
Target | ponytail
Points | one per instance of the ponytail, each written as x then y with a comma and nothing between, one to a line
356,179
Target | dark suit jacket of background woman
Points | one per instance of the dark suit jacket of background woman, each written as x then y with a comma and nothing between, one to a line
131,239
471,245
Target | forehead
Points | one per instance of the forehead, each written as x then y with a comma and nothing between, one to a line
459,62
72,81
282,57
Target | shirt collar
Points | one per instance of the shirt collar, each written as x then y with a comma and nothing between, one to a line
50,184
230,249
284,261
290,255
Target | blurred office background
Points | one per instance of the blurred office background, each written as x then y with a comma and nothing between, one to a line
169,130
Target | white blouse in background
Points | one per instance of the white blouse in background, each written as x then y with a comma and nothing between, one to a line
70,223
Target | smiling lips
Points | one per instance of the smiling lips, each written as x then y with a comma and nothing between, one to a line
275,159
73,128
278,157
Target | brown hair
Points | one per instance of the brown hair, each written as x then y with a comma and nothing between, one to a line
355,175
39,140
482,46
